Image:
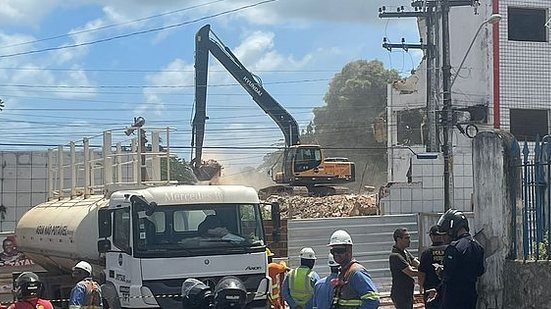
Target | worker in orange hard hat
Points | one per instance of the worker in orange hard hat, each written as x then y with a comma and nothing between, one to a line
276,271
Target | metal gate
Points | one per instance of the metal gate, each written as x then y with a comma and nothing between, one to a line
372,237
531,174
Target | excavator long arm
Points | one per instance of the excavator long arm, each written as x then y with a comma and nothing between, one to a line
206,45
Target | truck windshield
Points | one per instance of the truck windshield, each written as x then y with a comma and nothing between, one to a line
194,229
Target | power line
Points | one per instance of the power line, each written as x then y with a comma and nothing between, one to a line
206,147
110,26
158,70
137,32
308,80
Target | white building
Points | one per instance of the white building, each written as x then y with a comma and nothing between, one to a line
508,69
23,184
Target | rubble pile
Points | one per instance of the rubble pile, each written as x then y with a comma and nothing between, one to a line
348,205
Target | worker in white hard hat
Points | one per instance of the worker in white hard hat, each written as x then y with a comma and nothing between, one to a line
354,288
298,286
323,290
86,294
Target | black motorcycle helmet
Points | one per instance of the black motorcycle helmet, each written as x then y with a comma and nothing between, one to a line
451,221
196,295
230,292
28,285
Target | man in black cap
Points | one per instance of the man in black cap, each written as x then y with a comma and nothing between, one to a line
431,260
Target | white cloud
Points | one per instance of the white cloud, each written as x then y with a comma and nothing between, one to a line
31,12
176,73
281,12
25,12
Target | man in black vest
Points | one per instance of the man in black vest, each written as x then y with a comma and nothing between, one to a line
431,260
463,264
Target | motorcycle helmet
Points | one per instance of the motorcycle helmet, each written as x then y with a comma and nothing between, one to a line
28,285
230,292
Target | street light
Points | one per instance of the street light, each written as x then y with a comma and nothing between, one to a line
494,18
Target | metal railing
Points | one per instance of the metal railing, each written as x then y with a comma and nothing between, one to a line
531,173
104,167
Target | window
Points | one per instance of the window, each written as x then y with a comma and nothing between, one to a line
121,225
526,124
411,126
527,24
307,158
250,225
178,230
189,220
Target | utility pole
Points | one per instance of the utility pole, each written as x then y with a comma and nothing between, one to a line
447,146
431,9
432,81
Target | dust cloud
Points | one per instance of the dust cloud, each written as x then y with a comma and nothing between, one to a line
247,177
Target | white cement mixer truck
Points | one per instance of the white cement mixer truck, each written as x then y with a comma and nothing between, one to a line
143,240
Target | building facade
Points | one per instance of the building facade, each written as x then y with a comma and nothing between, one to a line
507,70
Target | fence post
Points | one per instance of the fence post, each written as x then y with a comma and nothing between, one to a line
525,201
515,166
547,204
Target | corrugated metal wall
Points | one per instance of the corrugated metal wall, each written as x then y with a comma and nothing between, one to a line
372,237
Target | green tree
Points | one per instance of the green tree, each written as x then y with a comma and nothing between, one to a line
180,170
356,96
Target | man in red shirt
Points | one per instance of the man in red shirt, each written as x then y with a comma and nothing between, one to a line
28,291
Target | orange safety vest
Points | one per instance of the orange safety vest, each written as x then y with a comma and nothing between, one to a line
274,270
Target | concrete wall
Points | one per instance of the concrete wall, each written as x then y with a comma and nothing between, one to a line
425,193
492,205
24,184
527,285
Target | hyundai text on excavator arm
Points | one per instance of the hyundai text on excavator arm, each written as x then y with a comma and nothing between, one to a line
303,165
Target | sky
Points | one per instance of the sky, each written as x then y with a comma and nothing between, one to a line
71,69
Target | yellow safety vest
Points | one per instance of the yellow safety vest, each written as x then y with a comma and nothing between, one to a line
300,285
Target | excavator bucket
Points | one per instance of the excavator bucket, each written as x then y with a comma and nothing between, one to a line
208,170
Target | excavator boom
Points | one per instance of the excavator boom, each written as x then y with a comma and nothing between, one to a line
302,164
205,45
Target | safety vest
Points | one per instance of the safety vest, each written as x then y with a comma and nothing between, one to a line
92,296
275,270
300,285
345,295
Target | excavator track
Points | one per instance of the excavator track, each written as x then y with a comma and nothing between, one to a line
288,190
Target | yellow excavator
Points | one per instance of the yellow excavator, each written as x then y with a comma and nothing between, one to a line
303,165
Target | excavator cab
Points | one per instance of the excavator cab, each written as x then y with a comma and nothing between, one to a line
306,165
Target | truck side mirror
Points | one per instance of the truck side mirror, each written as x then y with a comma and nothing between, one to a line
276,221
141,204
104,223
104,245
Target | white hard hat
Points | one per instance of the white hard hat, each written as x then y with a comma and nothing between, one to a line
84,266
307,253
340,237
331,261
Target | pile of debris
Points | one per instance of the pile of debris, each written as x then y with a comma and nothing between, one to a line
349,205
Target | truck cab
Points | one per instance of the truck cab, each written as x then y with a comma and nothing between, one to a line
156,238
143,233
